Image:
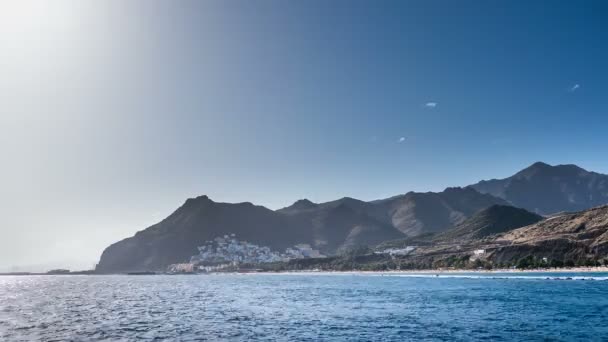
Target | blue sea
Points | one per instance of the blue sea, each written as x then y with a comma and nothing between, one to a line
306,307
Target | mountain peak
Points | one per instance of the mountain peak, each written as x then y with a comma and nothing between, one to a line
549,189
539,165
535,168
544,166
202,198
303,204
299,205
540,169
348,200
200,201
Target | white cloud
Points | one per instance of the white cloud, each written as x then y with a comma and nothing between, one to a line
574,87
431,104
402,139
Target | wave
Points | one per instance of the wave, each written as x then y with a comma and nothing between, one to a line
472,276
495,276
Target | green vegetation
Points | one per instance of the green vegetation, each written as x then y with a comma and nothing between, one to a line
362,259
533,262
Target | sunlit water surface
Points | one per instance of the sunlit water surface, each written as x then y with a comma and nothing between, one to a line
313,307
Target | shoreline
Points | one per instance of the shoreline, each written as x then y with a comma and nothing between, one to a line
598,269
582,269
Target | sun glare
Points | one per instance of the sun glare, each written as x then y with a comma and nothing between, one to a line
24,23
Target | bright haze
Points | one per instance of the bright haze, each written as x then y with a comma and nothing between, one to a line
112,113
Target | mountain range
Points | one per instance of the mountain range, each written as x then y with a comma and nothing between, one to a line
495,237
332,227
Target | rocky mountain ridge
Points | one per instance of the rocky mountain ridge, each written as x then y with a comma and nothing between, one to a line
445,222
546,189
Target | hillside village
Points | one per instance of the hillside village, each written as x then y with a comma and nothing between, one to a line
227,252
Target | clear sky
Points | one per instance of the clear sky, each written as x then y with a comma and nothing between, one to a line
112,113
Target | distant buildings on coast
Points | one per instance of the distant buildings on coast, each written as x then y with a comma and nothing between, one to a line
227,251
398,251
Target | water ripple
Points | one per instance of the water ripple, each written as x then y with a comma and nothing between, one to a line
268,307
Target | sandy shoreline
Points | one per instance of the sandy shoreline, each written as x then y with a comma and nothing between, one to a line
455,271
600,269
509,270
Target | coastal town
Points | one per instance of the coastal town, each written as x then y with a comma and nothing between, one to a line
229,253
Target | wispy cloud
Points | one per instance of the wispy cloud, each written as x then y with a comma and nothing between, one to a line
574,88
402,139
430,104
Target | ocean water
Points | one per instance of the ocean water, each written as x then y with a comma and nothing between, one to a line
306,307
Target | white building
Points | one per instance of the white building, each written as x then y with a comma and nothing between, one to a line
229,249
399,251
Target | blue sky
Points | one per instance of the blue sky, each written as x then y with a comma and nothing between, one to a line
116,112
313,98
